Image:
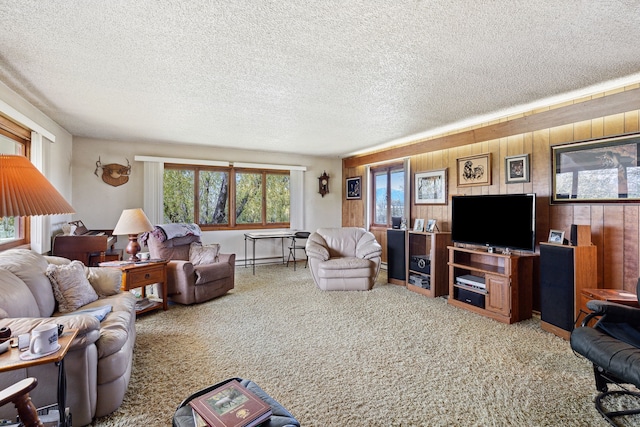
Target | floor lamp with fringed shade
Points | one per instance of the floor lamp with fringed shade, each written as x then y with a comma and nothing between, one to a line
24,191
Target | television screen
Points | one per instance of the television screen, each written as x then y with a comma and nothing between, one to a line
504,220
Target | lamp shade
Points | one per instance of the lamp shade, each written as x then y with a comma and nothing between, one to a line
132,221
24,191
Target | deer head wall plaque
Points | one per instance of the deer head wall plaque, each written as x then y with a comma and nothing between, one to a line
113,173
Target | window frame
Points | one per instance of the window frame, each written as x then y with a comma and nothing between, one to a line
387,168
231,195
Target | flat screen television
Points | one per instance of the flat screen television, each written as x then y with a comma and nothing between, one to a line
501,220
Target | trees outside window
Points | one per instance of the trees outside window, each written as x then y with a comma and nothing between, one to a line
258,198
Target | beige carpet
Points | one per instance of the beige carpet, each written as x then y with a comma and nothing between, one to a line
388,357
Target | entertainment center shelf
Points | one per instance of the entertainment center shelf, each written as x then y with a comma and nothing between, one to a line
427,263
500,284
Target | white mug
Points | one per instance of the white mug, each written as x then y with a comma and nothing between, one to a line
44,339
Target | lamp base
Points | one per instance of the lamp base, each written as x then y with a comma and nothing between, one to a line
133,248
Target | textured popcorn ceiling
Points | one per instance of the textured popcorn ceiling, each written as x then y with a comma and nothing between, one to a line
321,77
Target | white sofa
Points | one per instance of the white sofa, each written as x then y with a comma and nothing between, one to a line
98,364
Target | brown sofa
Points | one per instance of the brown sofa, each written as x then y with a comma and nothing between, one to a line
344,259
188,283
98,364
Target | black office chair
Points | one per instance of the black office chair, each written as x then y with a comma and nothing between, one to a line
295,245
613,346
18,394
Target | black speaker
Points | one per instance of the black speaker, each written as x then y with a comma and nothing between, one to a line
580,235
395,255
396,221
556,286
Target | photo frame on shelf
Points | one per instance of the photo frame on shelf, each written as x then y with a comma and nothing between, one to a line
596,170
431,187
517,169
354,188
556,236
431,226
474,170
418,225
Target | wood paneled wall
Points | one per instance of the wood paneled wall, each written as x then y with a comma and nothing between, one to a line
615,227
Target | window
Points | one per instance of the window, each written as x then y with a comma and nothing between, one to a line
388,193
257,198
14,139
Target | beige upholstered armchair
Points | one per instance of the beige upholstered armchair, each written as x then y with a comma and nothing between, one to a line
194,273
344,259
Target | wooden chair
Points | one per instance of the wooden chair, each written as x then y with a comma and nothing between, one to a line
18,394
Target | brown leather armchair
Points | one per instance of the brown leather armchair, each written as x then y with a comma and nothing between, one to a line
188,283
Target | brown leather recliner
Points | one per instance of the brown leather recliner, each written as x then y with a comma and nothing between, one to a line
344,259
188,283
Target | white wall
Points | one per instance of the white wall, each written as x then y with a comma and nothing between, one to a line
99,205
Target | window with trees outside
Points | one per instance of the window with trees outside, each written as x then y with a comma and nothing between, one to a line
225,197
14,139
388,193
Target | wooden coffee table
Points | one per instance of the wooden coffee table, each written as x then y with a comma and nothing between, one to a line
10,360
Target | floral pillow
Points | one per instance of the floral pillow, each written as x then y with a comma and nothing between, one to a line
70,286
203,254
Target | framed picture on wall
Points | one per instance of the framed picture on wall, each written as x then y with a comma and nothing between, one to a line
517,168
431,187
597,170
354,188
474,170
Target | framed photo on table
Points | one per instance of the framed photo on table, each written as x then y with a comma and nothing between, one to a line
418,225
517,168
556,236
474,170
354,188
431,187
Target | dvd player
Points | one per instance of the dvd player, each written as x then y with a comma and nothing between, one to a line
471,280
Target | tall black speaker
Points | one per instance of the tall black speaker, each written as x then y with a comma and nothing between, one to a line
396,267
557,286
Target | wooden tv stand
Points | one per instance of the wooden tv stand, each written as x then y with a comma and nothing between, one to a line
507,296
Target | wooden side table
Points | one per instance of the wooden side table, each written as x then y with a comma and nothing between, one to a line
10,360
142,274
613,295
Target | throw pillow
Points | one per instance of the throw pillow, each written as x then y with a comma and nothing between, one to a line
203,254
106,281
70,286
